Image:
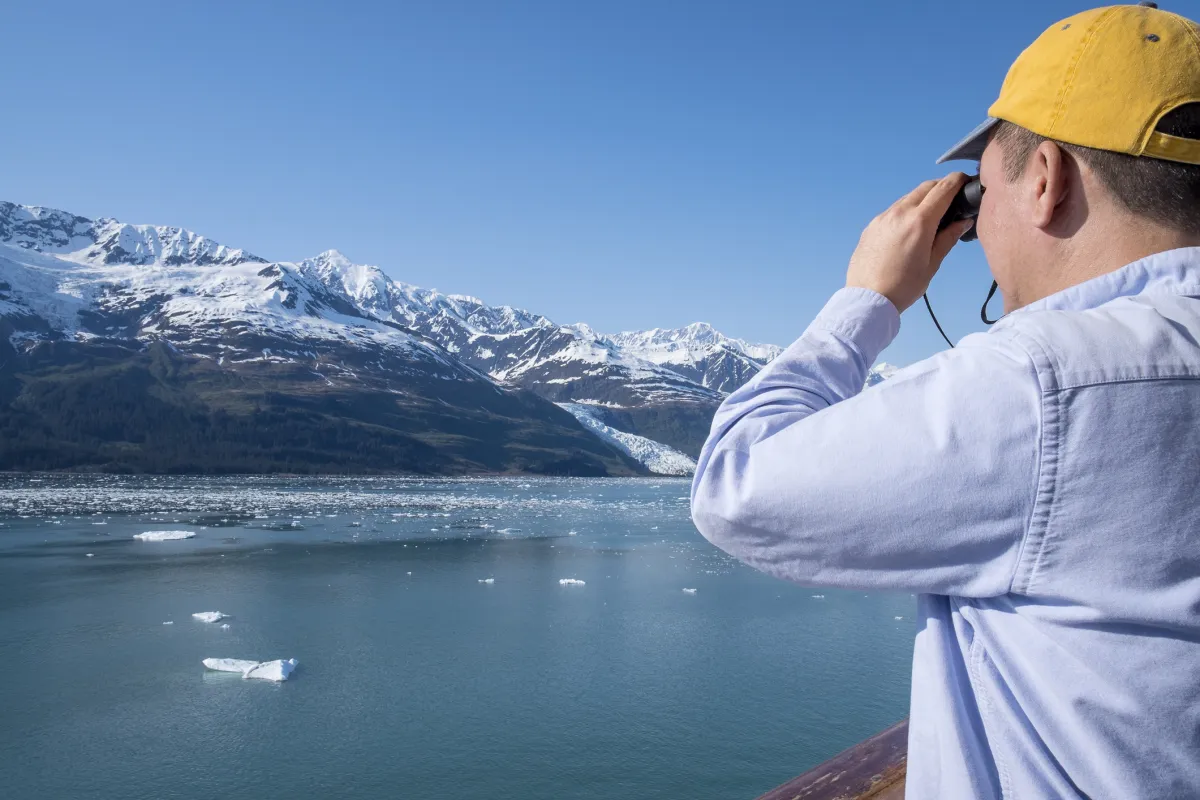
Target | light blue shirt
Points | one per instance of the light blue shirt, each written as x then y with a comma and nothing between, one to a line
1038,487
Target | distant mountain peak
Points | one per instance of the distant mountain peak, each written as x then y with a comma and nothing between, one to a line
110,241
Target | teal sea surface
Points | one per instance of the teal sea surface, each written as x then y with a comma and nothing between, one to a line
417,677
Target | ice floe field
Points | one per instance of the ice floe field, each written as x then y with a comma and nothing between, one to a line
508,638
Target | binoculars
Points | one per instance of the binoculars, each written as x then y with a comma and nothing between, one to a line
965,205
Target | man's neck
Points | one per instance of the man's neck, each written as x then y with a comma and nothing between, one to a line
1081,259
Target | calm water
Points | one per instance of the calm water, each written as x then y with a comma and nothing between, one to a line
415,679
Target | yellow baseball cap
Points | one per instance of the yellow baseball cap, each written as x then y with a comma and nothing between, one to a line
1102,79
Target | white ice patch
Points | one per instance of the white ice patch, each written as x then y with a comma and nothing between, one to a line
163,536
570,582
689,591
487,580
210,616
264,670
169,622
655,456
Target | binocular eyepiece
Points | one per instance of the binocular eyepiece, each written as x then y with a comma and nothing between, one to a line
965,205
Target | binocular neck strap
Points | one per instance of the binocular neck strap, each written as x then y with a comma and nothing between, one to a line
983,311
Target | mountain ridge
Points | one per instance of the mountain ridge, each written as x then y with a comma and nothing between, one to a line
352,328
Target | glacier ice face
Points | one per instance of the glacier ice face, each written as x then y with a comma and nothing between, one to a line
163,536
655,456
277,670
210,616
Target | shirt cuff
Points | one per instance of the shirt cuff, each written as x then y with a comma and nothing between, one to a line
865,317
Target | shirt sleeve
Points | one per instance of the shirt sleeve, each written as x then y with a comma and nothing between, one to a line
923,483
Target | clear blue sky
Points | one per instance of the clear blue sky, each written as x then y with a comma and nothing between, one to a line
627,164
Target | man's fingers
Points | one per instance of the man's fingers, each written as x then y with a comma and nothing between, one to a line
918,194
937,200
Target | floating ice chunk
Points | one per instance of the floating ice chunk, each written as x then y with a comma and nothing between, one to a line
571,582
508,530
689,591
230,664
818,597
163,536
169,622
897,617
225,626
210,616
487,580
278,670
91,555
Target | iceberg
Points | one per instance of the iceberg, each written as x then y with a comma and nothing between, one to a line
278,670
163,536
571,582
169,622
225,626
689,591
487,580
210,616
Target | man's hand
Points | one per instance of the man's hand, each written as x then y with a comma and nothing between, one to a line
901,250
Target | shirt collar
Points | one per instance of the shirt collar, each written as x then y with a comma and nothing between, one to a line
1169,272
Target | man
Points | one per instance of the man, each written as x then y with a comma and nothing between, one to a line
1039,485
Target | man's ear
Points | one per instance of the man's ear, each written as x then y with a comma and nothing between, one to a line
1048,171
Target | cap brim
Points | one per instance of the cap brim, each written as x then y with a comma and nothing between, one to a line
972,145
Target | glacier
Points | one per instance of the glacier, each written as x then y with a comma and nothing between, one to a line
655,456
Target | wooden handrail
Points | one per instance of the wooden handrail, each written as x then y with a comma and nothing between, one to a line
873,769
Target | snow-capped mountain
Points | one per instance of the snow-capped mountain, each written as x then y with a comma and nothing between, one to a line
510,344
349,327
659,384
151,348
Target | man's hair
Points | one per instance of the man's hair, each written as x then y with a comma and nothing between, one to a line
1167,192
